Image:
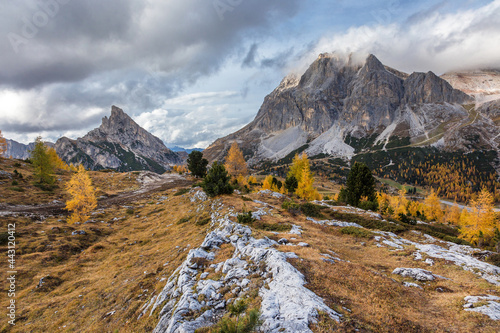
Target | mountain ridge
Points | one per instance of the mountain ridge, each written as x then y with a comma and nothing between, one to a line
118,143
338,100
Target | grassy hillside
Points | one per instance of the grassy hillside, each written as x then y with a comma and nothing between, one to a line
99,281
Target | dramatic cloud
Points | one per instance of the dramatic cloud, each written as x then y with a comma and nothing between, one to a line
195,70
428,40
62,58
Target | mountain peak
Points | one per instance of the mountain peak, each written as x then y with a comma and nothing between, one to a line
373,64
117,112
120,143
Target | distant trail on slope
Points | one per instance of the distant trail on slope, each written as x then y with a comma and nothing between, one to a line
150,183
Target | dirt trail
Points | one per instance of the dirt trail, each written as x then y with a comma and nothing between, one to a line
150,183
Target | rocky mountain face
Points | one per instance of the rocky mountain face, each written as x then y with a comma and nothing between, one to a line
119,143
20,150
341,108
483,85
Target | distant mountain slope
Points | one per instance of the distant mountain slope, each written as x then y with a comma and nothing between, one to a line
20,150
119,143
341,108
484,85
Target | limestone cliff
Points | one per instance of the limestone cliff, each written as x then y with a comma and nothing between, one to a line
119,143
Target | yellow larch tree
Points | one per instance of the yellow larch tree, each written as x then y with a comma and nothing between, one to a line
480,223
305,189
3,144
56,161
180,169
432,207
452,214
252,180
268,184
399,203
299,162
83,199
235,162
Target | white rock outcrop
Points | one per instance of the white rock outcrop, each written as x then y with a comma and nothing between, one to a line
488,305
188,302
415,273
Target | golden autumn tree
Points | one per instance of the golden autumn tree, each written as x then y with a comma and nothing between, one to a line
452,214
55,160
235,162
432,207
3,144
478,225
268,184
299,162
252,180
83,199
399,203
301,170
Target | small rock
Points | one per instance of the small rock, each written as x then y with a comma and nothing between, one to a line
411,284
303,244
415,273
283,241
78,232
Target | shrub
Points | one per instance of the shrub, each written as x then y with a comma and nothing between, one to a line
277,227
15,183
494,259
183,220
407,218
17,165
358,232
291,207
369,205
202,222
312,210
245,218
237,322
181,191
130,211
4,238
216,181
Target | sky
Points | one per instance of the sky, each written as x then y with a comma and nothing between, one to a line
192,71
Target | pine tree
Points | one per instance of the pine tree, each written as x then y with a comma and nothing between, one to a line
83,198
360,183
216,182
235,162
42,163
291,183
197,164
3,144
